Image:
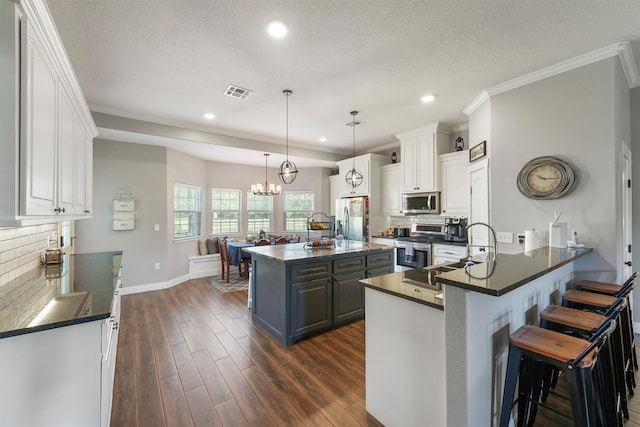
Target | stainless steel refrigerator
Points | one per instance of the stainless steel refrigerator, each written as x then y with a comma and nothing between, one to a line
352,218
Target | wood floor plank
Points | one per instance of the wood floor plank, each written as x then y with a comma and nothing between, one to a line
212,378
241,359
231,415
163,356
124,411
212,343
126,368
230,325
245,397
174,402
203,412
189,375
214,323
172,330
277,404
191,337
148,400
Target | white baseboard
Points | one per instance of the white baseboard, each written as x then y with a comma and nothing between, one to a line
153,286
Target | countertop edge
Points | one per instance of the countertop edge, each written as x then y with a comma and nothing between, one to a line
48,326
407,297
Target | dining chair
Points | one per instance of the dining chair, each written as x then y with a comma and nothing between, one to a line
262,242
226,261
282,241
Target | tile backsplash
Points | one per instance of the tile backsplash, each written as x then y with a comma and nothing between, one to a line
21,248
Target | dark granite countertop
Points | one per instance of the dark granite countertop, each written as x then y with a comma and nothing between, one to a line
301,251
493,278
78,290
400,285
510,271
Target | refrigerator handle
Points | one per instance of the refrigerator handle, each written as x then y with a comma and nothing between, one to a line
345,220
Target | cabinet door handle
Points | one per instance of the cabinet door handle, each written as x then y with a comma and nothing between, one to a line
115,326
87,211
60,210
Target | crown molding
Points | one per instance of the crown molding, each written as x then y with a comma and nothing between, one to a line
621,50
460,128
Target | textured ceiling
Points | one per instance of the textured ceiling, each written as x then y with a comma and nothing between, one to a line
170,61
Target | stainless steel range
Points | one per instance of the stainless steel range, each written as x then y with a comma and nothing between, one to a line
415,251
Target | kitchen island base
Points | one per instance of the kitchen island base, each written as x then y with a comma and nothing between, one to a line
297,292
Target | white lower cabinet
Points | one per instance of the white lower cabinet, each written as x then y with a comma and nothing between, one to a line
443,253
60,377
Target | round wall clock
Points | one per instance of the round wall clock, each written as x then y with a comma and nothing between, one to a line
546,177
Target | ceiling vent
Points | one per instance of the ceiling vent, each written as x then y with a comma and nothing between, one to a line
237,92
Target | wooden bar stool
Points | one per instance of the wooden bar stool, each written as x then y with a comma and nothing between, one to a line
575,357
605,304
584,324
615,290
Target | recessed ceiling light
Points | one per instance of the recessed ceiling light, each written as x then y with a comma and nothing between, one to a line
427,98
277,29
323,139
209,116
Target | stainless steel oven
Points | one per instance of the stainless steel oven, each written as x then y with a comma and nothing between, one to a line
413,254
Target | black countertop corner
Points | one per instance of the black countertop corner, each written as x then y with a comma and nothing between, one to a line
78,290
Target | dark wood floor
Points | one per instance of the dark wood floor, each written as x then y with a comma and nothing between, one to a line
190,356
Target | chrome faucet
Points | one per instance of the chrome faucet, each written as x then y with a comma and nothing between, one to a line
483,247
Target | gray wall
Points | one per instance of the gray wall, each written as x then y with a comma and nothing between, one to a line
141,168
572,116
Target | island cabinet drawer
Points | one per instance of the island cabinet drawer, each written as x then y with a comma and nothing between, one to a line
311,271
380,260
347,265
373,272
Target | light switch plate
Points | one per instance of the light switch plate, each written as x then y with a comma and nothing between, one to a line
504,237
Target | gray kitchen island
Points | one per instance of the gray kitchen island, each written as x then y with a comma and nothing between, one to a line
298,290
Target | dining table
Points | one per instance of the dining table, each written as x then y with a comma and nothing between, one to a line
235,252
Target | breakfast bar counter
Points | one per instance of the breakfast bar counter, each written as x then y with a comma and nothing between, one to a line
297,290
465,335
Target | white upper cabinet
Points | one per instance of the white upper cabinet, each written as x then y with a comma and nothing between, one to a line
392,189
46,167
38,124
369,166
362,165
420,149
454,178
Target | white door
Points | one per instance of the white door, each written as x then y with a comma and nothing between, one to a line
479,206
626,257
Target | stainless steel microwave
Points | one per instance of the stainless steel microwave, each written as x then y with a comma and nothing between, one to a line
421,203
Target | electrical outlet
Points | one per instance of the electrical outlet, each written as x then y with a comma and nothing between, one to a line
157,266
504,237
521,238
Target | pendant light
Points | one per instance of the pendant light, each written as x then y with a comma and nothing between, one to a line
288,170
354,176
267,189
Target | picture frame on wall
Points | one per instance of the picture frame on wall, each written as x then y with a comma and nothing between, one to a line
478,151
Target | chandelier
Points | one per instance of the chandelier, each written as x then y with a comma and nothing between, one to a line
268,189
288,170
354,176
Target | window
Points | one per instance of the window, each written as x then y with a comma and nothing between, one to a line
225,211
187,211
298,206
259,213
